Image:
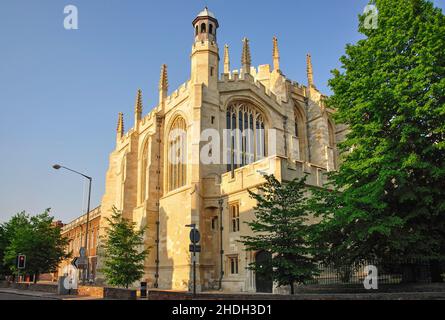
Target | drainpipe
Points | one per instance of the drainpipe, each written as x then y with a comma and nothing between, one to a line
221,252
156,284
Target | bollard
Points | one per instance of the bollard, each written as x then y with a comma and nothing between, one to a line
61,289
143,289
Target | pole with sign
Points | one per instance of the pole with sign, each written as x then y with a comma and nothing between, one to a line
194,247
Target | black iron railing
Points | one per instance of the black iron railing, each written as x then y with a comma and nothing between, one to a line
387,273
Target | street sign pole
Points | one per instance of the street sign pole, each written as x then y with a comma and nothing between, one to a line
194,269
194,238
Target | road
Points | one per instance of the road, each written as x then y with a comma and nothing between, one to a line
11,296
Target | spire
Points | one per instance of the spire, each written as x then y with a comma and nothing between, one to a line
163,81
120,125
138,106
163,84
310,72
226,59
276,54
246,59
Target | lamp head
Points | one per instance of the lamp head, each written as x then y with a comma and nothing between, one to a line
57,166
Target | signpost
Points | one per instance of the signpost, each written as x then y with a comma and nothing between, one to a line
195,236
79,262
194,247
74,263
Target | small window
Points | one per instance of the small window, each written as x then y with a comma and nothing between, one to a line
92,240
233,264
211,28
211,71
296,129
214,223
213,119
234,215
203,28
197,30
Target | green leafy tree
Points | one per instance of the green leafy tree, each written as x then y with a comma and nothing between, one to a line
389,193
7,232
123,257
39,239
281,227
3,244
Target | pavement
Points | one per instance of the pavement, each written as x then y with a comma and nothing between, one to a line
13,294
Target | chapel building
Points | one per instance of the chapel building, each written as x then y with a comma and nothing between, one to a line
265,122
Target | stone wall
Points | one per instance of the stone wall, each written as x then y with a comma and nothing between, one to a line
107,293
42,287
389,292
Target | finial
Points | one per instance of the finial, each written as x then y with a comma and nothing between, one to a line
246,59
138,106
163,85
163,81
120,125
310,72
276,54
226,60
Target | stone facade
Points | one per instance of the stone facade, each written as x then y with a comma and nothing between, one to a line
299,137
75,232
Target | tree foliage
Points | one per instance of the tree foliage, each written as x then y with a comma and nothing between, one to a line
281,227
388,198
123,257
38,238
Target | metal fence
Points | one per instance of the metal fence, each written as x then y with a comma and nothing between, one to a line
387,273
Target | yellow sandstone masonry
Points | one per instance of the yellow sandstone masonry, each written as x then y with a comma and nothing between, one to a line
165,197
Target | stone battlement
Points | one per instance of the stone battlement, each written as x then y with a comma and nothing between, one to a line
235,77
178,93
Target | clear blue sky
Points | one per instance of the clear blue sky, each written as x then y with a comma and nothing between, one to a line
60,91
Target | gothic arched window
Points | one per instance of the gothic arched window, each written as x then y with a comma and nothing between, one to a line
211,28
177,155
203,28
144,172
246,137
299,134
332,144
123,178
331,134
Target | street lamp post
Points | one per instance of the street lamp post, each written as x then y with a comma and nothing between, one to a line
85,275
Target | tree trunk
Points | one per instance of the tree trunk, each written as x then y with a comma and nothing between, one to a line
292,290
36,277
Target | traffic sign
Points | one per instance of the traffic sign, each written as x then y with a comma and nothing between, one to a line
82,262
74,262
195,248
195,236
79,262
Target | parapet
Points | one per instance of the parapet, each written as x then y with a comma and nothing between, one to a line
236,77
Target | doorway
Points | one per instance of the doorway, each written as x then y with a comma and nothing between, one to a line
263,280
